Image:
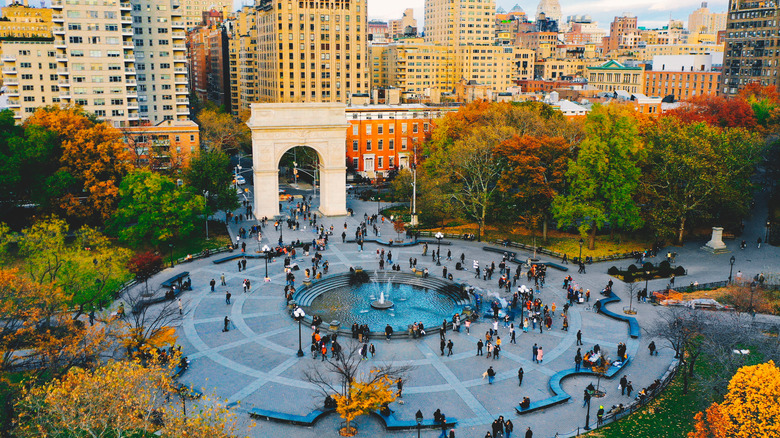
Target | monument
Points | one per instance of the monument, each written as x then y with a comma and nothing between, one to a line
277,128
716,245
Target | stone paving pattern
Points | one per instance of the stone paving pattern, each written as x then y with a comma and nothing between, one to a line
255,363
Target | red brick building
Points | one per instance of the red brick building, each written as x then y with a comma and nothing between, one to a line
382,138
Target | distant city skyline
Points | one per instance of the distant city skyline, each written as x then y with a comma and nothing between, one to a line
651,13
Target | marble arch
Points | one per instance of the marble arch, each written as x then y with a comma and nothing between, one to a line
278,127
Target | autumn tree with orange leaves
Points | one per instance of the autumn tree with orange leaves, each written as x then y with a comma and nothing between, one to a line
120,399
750,409
718,111
92,162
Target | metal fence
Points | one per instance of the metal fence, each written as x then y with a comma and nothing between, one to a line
630,408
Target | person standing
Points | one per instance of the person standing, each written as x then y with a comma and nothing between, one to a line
540,355
629,388
600,416
585,398
449,347
577,361
227,325
479,347
468,326
400,385
579,337
529,433
508,427
623,383
222,278
651,347
535,352
181,307
520,373
227,297
442,344
212,283
491,375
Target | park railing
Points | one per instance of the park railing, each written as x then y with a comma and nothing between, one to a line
693,287
631,407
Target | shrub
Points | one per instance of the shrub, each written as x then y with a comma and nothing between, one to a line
632,268
664,264
679,270
648,266
665,270
613,271
628,277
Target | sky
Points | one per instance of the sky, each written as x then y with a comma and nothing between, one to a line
651,13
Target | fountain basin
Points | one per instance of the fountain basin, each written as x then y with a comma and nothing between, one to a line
407,299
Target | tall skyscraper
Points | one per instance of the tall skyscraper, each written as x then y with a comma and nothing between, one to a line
462,22
192,10
312,51
551,9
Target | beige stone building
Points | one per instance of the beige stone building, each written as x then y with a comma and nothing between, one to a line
461,22
96,60
192,10
703,21
312,51
21,21
614,76
29,76
397,28
647,53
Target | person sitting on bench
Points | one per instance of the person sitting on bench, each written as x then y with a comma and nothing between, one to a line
526,403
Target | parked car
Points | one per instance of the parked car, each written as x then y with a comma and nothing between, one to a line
240,180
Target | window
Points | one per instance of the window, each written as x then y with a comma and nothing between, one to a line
368,129
379,129
355,128
75,39
414,128
391,144
380,145
368,145
379,162
355,145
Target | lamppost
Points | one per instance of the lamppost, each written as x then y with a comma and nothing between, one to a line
768,225
419,417
266,250
439,236
206,199
170,245
579,259
298,313
731,268
587,415
281,229
414,188
647,277
237,170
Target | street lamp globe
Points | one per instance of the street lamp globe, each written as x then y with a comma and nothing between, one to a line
298,314
266,250
419,418
438,236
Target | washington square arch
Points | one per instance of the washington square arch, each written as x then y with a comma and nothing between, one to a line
279,127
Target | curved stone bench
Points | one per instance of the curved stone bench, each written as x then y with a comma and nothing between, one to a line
281,417
513,258
561,396
238,255
392,423
633,325
399,245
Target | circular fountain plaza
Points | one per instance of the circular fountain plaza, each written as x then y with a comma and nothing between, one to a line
255,365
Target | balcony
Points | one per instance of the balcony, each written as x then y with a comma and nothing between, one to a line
11,82
178,25
13,103
57,18
125,6
180,81
182,91
183,101
182,111
180,70
59,30
130,71
180,46
7,57
9,71
64,83
65,94
126,19
12,93
130,81
56,4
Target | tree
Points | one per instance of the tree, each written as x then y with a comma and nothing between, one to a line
210,173
765,102
693,171
535,173
717,111
153,209
118,399
604,176
682,329
92,162
363,398
399,226
219,130
89,269
356,390
750,408
144,265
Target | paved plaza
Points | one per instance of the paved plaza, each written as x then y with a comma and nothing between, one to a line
255,363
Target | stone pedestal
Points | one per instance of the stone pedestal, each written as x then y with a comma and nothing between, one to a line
716,245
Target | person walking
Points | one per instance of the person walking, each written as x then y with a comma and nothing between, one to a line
520,373
479,347
227,325
535,352
540,355
227,297
629,388
222,279
585,398
449,347
468,326
529,433
577,361
442,344
400,385
600,416
623,383
579,337
181,307
512,339
651,347
212,283
491,375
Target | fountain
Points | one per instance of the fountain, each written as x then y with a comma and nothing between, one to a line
381,303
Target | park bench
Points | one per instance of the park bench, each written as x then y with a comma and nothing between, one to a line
392,423
543,404
633,325
176,280
281,417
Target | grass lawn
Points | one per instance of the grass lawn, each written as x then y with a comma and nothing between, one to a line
556,240
668,415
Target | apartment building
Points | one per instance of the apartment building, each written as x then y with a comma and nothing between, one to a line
382,138
421,71
22,21
192,10
552,68
398,28
619,27
703,21
29,75
614,76
752,49
96,59
460,22
160,52
312,51
168,145
652,50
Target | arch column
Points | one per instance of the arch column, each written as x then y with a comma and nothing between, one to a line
276,128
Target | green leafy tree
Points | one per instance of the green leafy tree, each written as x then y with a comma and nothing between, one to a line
604,177
153,209
693,170
209,172
219,130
